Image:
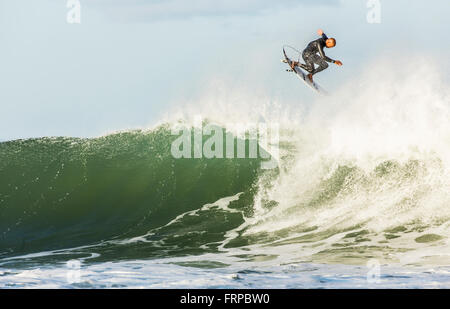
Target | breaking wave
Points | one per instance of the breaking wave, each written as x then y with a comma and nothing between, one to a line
363,174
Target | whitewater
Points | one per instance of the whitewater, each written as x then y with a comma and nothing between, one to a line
360,197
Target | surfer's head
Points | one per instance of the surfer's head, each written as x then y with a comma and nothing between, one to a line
331,42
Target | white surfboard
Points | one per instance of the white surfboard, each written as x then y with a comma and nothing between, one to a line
303,76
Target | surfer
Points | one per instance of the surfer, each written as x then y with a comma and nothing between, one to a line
314,54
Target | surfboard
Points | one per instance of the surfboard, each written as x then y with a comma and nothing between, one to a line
302,75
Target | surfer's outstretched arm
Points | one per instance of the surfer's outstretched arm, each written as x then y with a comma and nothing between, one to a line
329,43
324,57
321,33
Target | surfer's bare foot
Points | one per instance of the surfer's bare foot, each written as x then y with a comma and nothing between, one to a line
294,64
310,77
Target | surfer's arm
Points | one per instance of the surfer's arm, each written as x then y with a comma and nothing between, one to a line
322,54
322,34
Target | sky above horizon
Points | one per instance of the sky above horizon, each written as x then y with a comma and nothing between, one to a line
130,61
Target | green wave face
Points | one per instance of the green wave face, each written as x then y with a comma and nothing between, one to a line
66,192
126,197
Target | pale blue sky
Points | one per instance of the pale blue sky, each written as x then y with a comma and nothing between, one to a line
129,61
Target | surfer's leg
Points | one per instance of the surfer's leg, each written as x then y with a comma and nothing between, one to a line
321,63
309,62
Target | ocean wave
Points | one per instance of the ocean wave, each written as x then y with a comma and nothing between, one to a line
362,175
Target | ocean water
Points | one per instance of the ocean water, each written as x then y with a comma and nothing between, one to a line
359,198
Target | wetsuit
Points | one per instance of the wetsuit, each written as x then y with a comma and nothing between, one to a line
314,54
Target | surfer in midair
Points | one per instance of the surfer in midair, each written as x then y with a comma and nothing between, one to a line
314,54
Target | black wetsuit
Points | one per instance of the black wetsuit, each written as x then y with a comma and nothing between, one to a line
314,54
